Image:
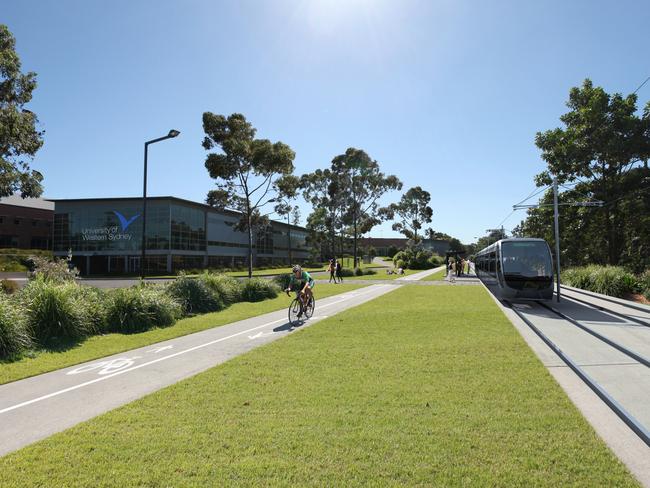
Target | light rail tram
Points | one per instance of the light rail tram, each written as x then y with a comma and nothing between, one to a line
517,268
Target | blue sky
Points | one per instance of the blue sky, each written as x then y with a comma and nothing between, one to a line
446,94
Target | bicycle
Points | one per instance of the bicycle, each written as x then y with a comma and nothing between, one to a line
298,310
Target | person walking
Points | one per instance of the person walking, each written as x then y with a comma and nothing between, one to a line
452,271
339,274
332,270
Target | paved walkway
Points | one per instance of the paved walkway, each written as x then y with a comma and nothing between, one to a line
37,407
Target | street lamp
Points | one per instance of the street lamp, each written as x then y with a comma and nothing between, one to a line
172,133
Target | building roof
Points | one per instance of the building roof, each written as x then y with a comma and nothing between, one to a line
18,201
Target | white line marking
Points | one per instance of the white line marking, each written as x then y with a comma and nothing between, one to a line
160,349
163,358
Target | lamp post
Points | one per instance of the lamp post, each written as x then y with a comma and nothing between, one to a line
172,133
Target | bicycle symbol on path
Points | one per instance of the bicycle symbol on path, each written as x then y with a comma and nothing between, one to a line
106,367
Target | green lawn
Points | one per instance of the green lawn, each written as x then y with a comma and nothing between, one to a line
417,388
437,276
105,345
381,275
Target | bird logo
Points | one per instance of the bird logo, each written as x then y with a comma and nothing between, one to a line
123,220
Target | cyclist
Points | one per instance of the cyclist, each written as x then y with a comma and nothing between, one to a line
305,282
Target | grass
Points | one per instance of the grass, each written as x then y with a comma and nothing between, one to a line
100,346
421,391
437,276
381,275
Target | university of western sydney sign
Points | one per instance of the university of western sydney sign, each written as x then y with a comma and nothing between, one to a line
111,233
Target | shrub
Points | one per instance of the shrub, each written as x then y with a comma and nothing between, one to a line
14,335
644,280
258,289
194,295
392,250
346,272
435,261
140,308
282,280
400,264
9,287
358,272
55,270
57,311
226,287
608,280
362,272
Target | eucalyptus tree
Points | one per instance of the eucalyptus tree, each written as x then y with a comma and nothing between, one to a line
20,139
322,190
245,171
360,185
412,210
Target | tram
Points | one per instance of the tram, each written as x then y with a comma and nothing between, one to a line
517,268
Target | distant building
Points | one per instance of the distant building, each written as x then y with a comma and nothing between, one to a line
105,236
26,223
382,244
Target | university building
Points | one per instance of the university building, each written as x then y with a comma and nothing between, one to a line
104,236
26,223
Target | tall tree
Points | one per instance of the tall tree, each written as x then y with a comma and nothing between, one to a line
322,189
413,211
19,137
245,171
602,141
360,185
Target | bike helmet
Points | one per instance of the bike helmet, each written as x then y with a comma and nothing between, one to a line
296,268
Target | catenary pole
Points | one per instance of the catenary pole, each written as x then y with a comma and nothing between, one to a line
557,237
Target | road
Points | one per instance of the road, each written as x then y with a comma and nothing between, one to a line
35,408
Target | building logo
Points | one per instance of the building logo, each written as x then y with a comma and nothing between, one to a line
123,221
111,233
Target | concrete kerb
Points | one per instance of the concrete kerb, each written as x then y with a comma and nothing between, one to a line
625,444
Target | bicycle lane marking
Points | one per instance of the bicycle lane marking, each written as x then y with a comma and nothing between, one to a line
163,358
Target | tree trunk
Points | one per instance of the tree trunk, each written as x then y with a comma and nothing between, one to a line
250,245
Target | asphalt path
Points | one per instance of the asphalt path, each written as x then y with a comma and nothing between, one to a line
37,407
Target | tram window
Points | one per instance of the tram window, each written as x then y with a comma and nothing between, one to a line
529,259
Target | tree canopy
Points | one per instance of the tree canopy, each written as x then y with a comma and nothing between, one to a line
360,185
600,153
247,171
413,211
19,137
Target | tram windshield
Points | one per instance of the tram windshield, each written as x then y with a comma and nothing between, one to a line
527,259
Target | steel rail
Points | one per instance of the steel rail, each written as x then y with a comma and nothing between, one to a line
617,408
615,345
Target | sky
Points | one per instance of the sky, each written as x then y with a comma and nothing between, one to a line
447,95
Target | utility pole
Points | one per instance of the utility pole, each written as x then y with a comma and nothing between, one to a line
557,237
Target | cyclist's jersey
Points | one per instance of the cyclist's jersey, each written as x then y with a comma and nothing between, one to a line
304,278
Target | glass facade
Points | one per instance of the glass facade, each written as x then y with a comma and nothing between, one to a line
187,228
105,236
109,226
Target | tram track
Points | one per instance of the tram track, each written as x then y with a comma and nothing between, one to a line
608,310
606,340
635,425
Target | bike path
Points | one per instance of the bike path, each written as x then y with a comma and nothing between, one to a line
35,408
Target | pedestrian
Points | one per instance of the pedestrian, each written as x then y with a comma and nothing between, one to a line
339,273
332,270
452,271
